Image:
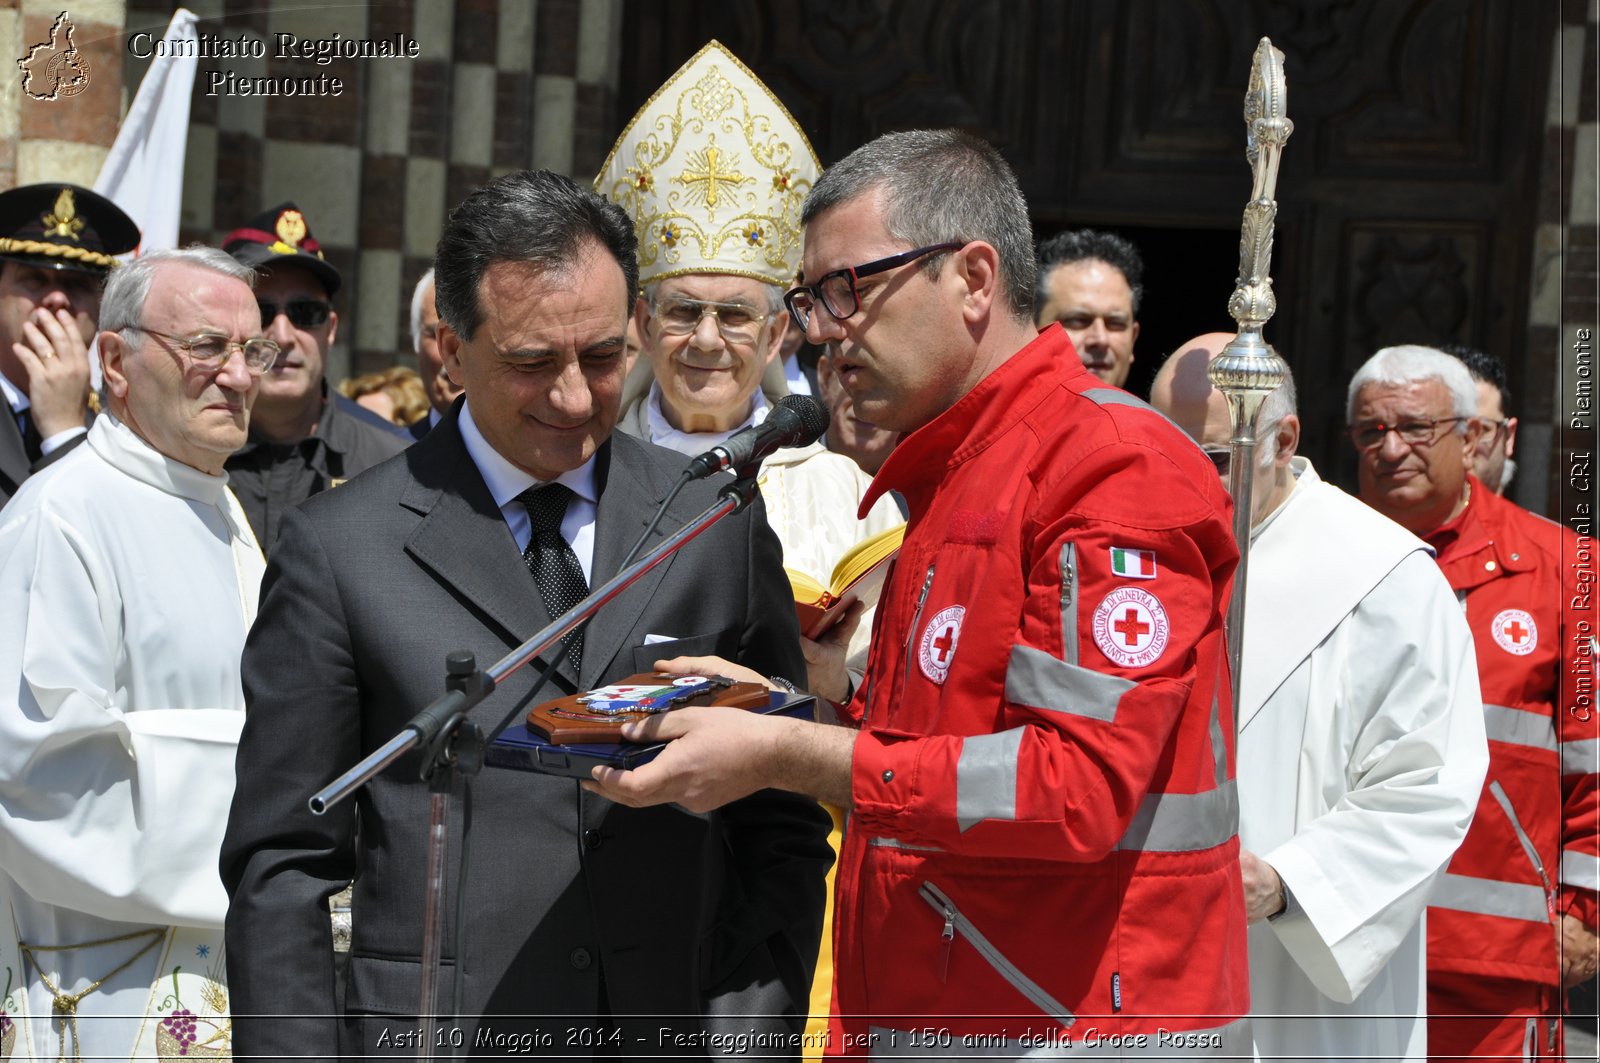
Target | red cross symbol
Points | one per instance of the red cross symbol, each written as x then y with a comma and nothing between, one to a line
1515,632
1130,627
944,644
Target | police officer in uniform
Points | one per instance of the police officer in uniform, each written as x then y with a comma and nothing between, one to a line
304,437
57,243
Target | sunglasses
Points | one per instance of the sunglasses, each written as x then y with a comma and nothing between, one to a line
302,313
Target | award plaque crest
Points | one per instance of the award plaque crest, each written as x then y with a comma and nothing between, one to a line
598,715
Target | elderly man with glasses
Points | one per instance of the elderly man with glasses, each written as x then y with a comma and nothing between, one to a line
711,322
1511,924
128,578
305,438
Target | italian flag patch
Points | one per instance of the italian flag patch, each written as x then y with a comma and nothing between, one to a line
1133,564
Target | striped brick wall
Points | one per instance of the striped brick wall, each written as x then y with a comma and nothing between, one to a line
502,84
64,138
498,85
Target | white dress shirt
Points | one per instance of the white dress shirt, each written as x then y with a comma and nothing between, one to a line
506,481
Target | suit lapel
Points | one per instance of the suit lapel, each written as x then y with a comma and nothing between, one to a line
463,539
14,462
627,502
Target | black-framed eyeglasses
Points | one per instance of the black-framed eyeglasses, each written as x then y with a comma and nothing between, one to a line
678,315
302,313
836,291
212,349
1422,432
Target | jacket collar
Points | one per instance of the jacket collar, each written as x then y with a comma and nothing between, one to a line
1002,399
334,430
1482,543
463,539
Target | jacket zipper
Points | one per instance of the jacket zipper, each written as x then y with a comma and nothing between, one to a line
1069,603
1528,848
955,922
911,629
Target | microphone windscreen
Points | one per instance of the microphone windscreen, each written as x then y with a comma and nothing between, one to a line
813,416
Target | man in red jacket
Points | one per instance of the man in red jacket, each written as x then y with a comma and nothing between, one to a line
1042,851
1512,922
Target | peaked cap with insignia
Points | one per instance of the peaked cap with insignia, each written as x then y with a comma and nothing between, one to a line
713,171
281,235
61,226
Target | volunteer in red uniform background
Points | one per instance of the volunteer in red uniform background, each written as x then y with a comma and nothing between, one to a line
1042,849
1512,922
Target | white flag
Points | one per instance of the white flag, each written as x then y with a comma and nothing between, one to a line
144,172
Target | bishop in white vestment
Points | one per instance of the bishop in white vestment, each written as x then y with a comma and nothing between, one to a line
1361,748
128,579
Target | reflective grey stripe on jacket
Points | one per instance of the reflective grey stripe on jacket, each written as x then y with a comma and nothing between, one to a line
986,778
1184,823
1529,850
1040,681
1581,757
882,842
1580,869
1516,727
1118,397
986,788
986,773
1219,750
1486,896
1160,1041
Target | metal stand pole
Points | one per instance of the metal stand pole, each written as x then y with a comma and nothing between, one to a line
452,769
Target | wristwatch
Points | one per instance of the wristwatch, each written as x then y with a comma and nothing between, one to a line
783,684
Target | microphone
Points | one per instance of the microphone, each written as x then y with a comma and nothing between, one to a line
796,421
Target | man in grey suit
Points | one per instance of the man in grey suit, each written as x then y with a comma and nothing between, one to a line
586,920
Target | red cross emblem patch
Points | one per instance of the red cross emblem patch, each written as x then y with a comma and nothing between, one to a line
939,640
1130,627
1514,631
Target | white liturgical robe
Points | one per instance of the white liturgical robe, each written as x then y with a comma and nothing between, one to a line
1360,761
127,583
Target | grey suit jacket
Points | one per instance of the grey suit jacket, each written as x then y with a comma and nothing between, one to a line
712,918
14,464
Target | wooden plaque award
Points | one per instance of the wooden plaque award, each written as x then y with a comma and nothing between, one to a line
598,715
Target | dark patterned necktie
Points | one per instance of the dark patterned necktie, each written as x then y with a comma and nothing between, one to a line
550,558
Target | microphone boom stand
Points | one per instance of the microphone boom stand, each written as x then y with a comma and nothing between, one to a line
453,745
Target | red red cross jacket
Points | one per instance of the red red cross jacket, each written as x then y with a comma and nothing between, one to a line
1043,849
1532,850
